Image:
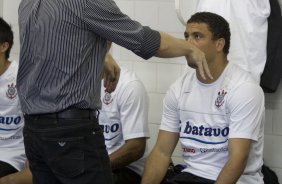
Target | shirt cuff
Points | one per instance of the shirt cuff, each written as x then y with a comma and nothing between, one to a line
151,43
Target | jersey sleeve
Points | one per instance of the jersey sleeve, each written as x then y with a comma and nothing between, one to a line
170,117
246,107
133,104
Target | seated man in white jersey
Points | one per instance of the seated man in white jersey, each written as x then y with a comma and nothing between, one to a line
12,159
219,122
124,119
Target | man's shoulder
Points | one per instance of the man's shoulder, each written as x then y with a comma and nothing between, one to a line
237,75
184,81
239,80
126,77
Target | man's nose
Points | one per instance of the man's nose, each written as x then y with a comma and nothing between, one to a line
190,40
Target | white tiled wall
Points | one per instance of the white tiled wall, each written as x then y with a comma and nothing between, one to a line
1,10
157,74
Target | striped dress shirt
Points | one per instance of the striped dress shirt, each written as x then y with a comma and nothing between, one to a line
63,45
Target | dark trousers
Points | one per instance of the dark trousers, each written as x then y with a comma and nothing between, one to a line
188,178
6,169
66,151
126,176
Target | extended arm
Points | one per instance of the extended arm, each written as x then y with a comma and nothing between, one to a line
141,40
173,47
131,151
160,157
238,156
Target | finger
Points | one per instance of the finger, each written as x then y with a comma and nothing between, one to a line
110,84
111,87
113,79
201,70
206,69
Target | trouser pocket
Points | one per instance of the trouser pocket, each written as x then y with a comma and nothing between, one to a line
65,156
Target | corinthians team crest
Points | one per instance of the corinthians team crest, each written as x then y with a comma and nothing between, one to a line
220,98
12,91
107,98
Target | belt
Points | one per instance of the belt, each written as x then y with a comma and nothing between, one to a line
70,113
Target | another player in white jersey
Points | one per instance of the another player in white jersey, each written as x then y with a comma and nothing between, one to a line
12,152
124,119
219,122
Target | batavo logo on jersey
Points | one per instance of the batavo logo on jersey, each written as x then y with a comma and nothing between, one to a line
12,91
10,120
110,128
201,131
107,98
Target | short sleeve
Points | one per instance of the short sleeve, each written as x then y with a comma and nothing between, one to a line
246,106
170,116
133,104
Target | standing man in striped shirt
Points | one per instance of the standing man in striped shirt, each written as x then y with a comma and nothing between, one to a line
63,46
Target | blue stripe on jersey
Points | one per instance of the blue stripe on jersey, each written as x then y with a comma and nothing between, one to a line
206,142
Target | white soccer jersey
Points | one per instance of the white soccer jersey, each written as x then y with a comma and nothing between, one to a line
124,115
207,115
248,25
11,120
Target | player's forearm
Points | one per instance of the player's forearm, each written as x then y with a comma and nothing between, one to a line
21,177
122,160
155,168
173,47
231,172
131,151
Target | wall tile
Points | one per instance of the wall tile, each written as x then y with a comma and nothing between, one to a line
187,8
155,107
273,150
147,73
1,8
125,54
14,57
168,19
277,117
166,75
10,10
146,12
16,46
274,97
127,7
268,126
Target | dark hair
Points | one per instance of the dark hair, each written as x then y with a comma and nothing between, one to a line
217,25
6,35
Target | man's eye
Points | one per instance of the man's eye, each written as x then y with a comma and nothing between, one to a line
186,36
197,36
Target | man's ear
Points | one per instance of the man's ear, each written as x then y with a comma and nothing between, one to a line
4,47
220,43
